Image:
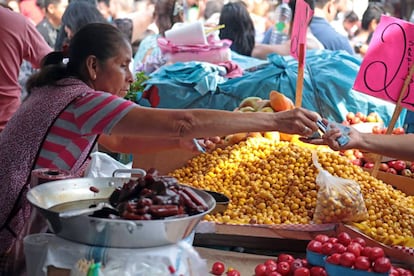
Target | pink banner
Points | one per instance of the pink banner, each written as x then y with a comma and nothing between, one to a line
387,62
303,15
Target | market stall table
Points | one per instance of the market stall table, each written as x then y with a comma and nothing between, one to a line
52,256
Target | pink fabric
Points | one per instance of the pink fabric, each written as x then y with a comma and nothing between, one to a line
20,143
19,40
232,68
216,51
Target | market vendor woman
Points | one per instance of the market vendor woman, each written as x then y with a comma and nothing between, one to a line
66,112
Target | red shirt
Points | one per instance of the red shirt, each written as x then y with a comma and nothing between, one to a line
19,40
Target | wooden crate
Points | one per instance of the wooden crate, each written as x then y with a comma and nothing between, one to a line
402,183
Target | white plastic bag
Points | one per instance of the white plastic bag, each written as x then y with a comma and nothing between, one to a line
339,199
103,165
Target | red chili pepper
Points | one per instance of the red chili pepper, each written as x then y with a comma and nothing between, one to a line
94,189
171,269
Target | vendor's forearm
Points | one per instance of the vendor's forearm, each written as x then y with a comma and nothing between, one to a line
397,146
138,145
192,123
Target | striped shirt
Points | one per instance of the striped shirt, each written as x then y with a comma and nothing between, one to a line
77,127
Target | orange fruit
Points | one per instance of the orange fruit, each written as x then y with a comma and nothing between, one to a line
280,102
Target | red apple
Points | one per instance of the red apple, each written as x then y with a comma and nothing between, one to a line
356,120
383,167
398,131
357,162
347,259
376,252
369,165
399,165
360,115
333,240
359,240
382,265
344,238
355,248
350,116
327,248
358,154
322,238
362,263
338,248
376,130
392,170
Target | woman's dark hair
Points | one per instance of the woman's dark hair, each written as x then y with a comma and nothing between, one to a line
351,16
238,28
101,40
77,14
373,12
167,13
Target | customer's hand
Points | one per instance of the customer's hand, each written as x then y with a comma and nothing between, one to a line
331,136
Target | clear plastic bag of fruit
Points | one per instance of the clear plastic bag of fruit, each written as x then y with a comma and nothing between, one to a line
338,199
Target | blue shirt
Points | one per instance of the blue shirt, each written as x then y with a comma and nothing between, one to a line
328,36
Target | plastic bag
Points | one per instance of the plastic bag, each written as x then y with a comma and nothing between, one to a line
338,199
103,165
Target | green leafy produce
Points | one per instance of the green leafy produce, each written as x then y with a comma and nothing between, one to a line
137,86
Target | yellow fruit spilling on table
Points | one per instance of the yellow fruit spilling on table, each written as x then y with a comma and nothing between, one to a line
274,183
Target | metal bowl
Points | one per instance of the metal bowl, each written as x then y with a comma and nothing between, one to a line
222,201
57,196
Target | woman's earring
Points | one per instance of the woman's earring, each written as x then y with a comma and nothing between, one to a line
94,77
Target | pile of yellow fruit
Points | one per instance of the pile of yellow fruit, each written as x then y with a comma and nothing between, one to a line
272,182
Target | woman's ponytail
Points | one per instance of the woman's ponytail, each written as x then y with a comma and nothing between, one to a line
53,68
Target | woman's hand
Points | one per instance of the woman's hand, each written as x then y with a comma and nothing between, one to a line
208,144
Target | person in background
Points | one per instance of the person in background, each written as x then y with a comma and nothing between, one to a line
50,24
211,15
104,6
397,146
369,22
238,28
31,10
88,106
19,41
166,14
259,13
337,23
77,15
325,12
351,24
262,50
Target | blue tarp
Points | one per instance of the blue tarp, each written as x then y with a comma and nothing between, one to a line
327,88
